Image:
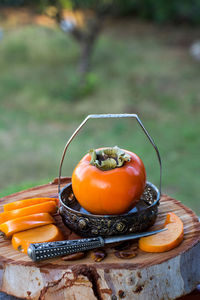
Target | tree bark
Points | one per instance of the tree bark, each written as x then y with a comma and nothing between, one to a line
87,47
86,36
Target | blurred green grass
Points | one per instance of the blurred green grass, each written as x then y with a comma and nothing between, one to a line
138,73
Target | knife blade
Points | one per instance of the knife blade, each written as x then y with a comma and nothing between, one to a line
42,251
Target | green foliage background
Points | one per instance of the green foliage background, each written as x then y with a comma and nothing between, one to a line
137,68
160,11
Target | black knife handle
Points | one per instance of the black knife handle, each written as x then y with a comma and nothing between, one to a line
42,251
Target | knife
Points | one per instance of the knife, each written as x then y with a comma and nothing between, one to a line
42,251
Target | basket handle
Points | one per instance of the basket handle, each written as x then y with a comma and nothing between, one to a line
106,116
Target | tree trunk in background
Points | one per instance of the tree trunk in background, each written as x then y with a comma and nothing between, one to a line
87,44
86,35
87,47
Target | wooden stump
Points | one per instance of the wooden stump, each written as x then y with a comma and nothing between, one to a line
149,276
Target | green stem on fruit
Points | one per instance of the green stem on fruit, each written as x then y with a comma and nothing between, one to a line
108,158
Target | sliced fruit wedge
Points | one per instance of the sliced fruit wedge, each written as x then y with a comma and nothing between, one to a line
8,228
48,207
165,240
27,202
46,233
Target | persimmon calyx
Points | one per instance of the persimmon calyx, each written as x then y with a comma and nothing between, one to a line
108,158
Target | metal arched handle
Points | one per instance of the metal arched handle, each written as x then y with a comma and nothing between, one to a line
106,116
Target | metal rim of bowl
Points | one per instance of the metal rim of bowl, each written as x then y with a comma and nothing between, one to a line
156,202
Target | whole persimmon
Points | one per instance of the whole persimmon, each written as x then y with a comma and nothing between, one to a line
109,181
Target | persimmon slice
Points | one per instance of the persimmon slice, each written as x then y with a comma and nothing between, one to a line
45,207
24,223
27,202
47,233
165,240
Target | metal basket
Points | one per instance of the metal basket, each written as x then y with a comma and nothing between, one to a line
140,218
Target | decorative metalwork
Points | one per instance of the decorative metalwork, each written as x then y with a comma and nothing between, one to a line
42,251
85,224
110,116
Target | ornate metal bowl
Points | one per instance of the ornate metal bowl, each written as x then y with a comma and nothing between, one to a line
142,216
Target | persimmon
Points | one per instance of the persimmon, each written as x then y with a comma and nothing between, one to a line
47,233
165,240
23,223
48,207
27,202
109,181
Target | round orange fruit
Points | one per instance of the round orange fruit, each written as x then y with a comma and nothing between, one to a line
109,181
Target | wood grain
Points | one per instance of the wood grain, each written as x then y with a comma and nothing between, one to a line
146,276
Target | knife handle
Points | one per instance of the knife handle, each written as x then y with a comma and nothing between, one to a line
42,251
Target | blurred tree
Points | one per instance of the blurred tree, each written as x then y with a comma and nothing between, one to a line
86,33
94,14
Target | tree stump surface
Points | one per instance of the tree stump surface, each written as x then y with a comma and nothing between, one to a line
167,275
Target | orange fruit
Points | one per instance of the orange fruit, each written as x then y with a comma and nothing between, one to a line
165,240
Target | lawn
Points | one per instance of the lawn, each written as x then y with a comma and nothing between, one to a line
137,68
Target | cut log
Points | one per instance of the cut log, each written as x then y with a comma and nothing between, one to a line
167,275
